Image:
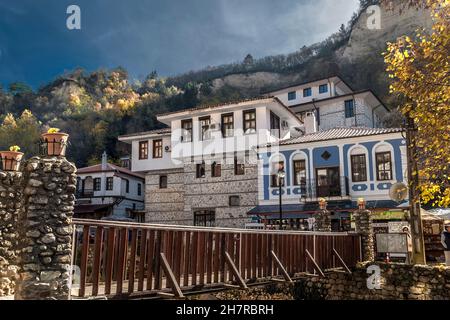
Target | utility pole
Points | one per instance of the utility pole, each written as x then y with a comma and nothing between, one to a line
415,217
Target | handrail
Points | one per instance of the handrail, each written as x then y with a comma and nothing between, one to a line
102,223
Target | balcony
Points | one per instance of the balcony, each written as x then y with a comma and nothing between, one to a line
310,190
86,193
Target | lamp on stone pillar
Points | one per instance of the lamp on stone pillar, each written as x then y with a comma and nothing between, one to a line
322,220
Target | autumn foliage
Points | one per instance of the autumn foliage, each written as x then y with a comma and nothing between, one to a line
419,68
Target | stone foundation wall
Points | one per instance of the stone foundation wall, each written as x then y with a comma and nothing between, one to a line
10,204
398,282
45,229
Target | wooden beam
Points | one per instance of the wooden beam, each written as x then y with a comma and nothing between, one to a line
315,263
281,267
171,277
235,271
341,261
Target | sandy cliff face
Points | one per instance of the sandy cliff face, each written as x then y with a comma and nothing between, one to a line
395,21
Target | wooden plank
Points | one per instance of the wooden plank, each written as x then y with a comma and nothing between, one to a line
316,266
341,261
160,235
110,245
253,257
216,257
97,255
142,247
209,246
178,238
150,259
280,267
84,259
229,248
170,277
168,249
132,269
235,271
269,256
123,240
201,258
222,257
187,259
194,258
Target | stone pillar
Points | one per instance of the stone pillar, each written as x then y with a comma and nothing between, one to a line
363,223
10,202
322,218
46,229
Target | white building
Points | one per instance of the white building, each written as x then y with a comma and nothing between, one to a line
107,190
203,168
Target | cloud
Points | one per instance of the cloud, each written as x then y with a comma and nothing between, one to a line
169,36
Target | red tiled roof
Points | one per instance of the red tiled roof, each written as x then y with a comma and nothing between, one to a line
109,168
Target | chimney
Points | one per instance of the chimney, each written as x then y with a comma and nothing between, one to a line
310,122
104,160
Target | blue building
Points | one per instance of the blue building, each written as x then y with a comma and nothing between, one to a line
340,165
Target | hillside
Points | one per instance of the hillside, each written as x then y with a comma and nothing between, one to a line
96,107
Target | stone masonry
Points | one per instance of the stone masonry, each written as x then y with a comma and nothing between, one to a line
322,220
397,282
363,223
45,229
185,194
10,204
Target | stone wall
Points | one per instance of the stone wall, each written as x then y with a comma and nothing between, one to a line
186,193
397,282
10,204
45,229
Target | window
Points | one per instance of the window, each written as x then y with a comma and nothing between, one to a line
200,170
299,172
234,201
384,166
249,121
157,148
143,150
204,218
227,125
292,95
359,170
239,167
323,88
97,184
274,125
109,183
127,186
307,92
186,126
139,189
205,133
216,170
163,182
349,108
276,167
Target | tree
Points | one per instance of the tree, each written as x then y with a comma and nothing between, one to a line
419,68
248,60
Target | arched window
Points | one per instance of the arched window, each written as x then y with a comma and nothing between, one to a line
358,163
299,169
383,162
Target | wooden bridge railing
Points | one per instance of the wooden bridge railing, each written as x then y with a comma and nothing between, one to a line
117,258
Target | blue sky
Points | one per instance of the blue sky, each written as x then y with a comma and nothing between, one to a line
170,36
